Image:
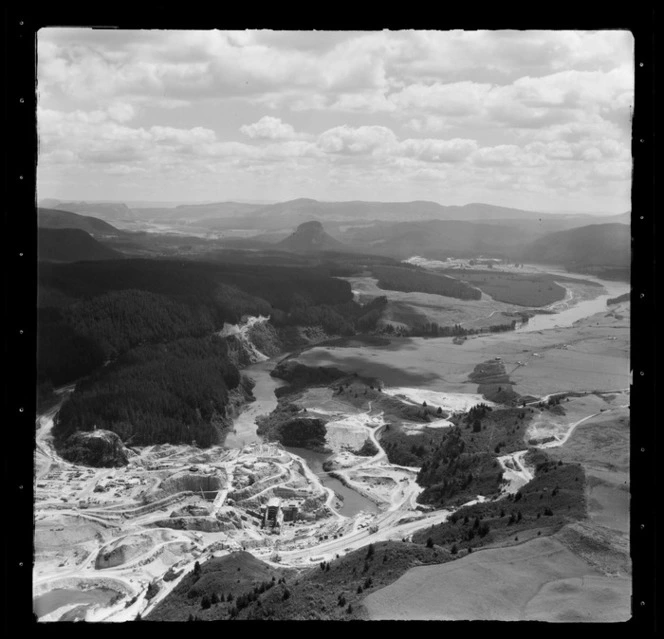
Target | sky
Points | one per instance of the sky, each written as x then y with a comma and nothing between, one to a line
538,120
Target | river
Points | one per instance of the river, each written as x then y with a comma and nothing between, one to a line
571,311
266,401
245,423
353,502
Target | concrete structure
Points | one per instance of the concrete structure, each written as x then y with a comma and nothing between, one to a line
272,515
290,511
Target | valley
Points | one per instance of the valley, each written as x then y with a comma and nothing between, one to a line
125,537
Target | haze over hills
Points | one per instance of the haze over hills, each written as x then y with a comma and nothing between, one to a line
555,239
286,215
108,211
71,245
587,246
60,219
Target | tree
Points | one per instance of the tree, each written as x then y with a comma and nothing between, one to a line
205,602
349,610
477,426
370,551
215,598
286,595
439,411
454,550
430,543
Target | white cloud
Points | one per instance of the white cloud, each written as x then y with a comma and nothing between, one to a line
269,128
533,111
121,111
361,140
431,150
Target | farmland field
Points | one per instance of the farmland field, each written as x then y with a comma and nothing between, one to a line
538,362
512,288
540,579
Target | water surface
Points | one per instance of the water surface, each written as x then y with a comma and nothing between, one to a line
353,502
266,401
54,599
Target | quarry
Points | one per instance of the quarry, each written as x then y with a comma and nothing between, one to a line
112,542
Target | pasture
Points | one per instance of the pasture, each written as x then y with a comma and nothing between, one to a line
540,579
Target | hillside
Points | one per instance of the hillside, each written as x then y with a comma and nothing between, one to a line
441,238
310,237
71,245
60,219
221,582
108,211
584,248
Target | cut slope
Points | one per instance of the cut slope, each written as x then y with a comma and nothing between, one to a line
71,245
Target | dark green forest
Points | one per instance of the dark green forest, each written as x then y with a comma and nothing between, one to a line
416,280
170,393
138,335
99,310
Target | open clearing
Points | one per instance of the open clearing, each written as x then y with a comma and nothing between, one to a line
575,358
601,445
537,580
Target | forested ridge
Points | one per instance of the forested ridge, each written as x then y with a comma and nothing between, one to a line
140,334
170,393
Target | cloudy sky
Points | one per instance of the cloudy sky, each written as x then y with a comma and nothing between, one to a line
531,119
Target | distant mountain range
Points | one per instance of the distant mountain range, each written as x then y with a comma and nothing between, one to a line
71,245
553,239
287,215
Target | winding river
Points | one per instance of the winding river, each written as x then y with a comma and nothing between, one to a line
567,311
266,401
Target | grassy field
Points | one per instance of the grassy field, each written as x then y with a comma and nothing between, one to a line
334,590
537,362
601,445
540,579
513,288
415,308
